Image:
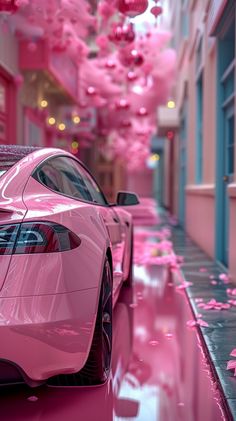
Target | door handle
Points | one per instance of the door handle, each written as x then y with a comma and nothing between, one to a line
226,178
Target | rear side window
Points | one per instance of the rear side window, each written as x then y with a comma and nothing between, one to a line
66,176
61,175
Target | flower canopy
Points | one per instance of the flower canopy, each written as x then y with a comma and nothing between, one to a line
124,74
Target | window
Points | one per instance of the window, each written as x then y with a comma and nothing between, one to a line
199,133
66,176
199,111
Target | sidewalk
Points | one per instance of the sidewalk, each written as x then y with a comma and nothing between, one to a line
219,339
212,300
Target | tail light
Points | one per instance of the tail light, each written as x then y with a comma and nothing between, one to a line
36,237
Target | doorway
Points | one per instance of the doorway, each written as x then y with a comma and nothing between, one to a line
225,140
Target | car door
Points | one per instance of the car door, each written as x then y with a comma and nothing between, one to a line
115,226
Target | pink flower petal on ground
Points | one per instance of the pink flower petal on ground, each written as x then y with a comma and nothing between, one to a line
231,291
203,323
212,277
184,285
213,283
232,302
231,365
191,323
198,300
203,270
199,316
201,305
224,277
233,353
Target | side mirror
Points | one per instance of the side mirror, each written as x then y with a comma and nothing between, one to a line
126,199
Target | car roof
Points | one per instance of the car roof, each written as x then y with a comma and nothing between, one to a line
11,154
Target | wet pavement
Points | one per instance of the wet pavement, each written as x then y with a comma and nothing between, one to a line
219,338
159,371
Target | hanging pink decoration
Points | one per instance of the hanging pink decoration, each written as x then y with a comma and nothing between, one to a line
132,76
132,8
123,104
122,34
8,6
137,58
142,112
91,91
110,64
106,10
156,11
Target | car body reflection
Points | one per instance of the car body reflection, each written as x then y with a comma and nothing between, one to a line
158,370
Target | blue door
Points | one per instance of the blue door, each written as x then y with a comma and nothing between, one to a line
227,178
225,138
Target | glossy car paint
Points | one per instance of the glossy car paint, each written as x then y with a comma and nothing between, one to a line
154,377
49,301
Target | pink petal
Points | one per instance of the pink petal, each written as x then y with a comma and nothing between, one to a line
224,277
202,323
198,300
233,353
231,365
184,285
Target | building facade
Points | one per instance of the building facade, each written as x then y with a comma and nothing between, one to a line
204,148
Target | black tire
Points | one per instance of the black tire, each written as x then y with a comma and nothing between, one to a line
129,280
97,367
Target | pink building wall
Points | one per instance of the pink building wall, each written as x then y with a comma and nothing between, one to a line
200,198
141,183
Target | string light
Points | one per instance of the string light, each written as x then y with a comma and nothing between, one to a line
171,104
61,127
76,119
44,103
155,157
74,147
51,121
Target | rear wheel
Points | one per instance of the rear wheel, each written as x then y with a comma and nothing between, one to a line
97,367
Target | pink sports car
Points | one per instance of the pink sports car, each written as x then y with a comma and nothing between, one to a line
64,255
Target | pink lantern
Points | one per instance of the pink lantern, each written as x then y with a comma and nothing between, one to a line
8,6
156,11
132,8
122,34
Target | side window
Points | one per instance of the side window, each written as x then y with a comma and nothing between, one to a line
97,195
61,175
